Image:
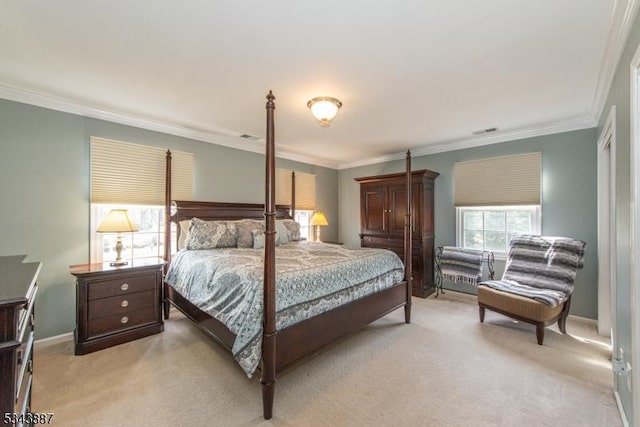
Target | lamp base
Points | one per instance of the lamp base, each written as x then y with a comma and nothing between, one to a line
118,263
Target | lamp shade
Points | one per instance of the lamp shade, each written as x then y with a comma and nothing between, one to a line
117,221
318,218
324,109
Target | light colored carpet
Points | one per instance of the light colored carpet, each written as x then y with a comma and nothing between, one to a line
443,369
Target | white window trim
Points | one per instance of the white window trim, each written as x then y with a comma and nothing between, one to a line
499,255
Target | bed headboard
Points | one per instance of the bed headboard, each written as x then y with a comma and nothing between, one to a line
211,211
219,211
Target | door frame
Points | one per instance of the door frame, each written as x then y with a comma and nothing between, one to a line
607,248
635,235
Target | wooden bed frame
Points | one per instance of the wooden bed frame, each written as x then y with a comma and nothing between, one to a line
281,348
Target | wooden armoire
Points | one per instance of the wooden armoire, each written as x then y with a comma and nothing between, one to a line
382,217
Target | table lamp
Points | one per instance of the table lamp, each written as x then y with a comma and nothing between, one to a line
318,219
118,221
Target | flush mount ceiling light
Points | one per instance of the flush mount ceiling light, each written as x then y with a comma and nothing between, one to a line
324,109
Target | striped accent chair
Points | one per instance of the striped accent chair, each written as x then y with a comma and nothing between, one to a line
537,283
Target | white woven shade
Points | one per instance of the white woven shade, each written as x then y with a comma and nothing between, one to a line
305,189
124,173
500,181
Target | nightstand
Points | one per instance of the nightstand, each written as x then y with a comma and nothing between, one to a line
115,305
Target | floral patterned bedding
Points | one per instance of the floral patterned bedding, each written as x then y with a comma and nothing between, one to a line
311,278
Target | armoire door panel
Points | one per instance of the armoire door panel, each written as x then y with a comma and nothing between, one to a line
375,211
398,208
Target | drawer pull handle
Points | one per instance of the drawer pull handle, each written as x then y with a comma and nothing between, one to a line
124,303
124,286
124,320
20,355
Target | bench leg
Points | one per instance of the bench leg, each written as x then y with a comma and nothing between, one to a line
481,311
540,332
562,321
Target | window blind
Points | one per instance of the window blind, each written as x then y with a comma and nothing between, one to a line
283,186
124,173
500,181
305,189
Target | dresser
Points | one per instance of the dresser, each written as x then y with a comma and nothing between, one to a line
382,217
18,290
115,305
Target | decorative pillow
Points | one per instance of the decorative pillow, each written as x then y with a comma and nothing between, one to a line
282,235
211,234
293,230
184,234
244,229
259,239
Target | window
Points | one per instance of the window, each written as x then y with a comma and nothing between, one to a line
491,228
497,198
130,176
305,197
147,242
304,219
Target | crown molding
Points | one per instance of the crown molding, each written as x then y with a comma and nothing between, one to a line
460,144
618,30
238,143
51,102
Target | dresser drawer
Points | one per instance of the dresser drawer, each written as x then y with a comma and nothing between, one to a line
121,286
119,322
24,363
23,403
25,316
377,242
122,304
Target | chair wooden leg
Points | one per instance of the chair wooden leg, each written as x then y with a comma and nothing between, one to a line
540,332
481,311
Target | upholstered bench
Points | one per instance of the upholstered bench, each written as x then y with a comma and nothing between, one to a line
524,309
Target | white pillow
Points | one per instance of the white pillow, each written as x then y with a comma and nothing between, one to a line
184,234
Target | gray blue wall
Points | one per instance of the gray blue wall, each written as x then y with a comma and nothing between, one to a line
44,192
620,96
569,198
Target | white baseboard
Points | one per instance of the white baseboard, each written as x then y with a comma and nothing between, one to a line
623,416
583,320
54,340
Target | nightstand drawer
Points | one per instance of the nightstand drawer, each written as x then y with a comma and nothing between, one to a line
118,322
121,286
122,304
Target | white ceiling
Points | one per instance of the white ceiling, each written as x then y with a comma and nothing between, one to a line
411,74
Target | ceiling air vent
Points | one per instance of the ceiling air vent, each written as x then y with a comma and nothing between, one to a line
483,131
249,137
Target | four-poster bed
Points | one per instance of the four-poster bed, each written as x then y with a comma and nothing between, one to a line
280,347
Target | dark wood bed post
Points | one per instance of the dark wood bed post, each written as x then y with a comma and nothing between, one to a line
408,244
293,194
268,378
167,226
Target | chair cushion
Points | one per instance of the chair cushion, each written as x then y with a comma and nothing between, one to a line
516,304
